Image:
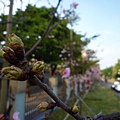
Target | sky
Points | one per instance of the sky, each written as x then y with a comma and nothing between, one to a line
101,17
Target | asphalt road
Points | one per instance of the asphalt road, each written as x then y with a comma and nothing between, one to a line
108,85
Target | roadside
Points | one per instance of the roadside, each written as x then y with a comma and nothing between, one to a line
109,84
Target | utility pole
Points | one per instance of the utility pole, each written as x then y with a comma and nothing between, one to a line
9,25
4,82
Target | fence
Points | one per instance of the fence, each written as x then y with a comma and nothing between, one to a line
65,92
37,95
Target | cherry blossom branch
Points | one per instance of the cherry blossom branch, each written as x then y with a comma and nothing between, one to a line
59,103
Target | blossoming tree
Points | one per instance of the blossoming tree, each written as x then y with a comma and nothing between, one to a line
20,70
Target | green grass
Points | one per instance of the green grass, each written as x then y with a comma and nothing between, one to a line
100,99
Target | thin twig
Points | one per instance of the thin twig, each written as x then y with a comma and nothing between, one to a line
45,33
59,103
77,103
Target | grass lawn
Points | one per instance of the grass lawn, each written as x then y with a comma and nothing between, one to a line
98,99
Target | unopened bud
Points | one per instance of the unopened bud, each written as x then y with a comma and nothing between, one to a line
43,106
9,55
75,109
12,72
15,41
37,68
17,45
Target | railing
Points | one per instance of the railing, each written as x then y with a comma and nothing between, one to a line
37,95
64,89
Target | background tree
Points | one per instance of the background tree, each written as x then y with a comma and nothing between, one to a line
115,69
107,72
33,27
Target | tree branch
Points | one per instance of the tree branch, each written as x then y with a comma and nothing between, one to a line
45,33
113,116
59,103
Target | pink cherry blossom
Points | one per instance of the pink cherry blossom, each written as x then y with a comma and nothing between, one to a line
96,74
66,73
60,55
69,55
74,4
63,51
88,73
15,116
64,11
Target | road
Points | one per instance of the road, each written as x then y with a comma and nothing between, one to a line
108,85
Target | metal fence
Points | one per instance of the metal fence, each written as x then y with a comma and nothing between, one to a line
37,95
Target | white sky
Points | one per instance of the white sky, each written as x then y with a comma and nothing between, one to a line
97,17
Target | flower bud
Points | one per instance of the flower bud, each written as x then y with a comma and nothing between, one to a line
37,68
75,109
43,106
15,41
17,45
2,116
6,70
12,72
9,55
46,106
